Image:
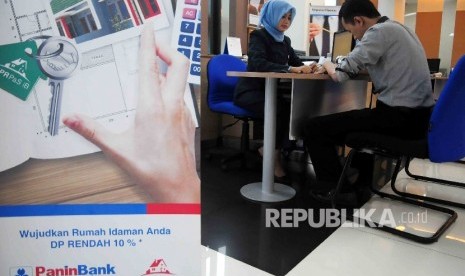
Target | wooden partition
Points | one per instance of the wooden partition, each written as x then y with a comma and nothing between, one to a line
428,26
458,49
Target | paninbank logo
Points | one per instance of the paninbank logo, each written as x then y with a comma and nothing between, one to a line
21,271
80,269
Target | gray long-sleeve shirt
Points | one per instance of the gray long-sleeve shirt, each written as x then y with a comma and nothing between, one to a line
396,61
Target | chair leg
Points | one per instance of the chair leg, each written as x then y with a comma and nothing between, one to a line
244,148
244,142
219,141
245,136
432,180
341,180
451,213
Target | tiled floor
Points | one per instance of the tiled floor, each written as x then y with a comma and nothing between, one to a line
236,226
235,240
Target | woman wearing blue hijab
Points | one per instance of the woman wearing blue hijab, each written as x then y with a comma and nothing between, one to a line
271,51
272,13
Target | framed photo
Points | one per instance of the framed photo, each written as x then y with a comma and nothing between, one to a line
323,22
254,10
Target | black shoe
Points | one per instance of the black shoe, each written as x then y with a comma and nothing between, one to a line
321,196
364,194
343,199
285,179
363,189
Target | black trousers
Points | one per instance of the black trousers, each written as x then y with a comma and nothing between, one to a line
323,134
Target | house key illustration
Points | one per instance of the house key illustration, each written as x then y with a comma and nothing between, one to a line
57,58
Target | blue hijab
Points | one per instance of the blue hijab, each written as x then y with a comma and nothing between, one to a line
270,15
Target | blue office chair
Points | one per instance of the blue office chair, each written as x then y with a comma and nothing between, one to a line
446,137
445,142
220,94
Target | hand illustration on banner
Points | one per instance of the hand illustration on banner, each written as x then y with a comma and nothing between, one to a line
158,150
314,30
321,29
324,22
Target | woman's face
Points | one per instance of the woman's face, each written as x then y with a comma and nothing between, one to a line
285,22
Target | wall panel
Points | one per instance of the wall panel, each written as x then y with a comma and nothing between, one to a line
458,48
428,25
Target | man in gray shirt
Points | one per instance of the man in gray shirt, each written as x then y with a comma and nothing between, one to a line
396,62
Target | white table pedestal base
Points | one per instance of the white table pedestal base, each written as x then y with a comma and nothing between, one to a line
255,192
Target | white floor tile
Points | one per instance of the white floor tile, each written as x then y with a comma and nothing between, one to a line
352,252
365,251
217,264
448,171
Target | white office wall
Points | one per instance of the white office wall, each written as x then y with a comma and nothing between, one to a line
411,11
224,21
386,7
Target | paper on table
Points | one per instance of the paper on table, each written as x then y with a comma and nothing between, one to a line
309,63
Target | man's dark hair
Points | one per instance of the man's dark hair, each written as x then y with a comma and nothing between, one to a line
352,8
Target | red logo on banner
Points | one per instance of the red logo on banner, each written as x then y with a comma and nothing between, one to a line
158,267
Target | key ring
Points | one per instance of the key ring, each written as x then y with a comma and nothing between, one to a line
54,54
57,66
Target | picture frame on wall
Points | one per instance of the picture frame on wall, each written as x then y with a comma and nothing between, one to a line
323,22
254,10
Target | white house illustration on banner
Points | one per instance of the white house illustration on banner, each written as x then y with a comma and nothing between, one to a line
158,267
19,66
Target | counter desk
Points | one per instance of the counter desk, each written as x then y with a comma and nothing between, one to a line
312,95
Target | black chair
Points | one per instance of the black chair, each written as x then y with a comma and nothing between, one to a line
445,142
220,93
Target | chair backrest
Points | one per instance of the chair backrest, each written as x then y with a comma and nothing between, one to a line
221,87
446,137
